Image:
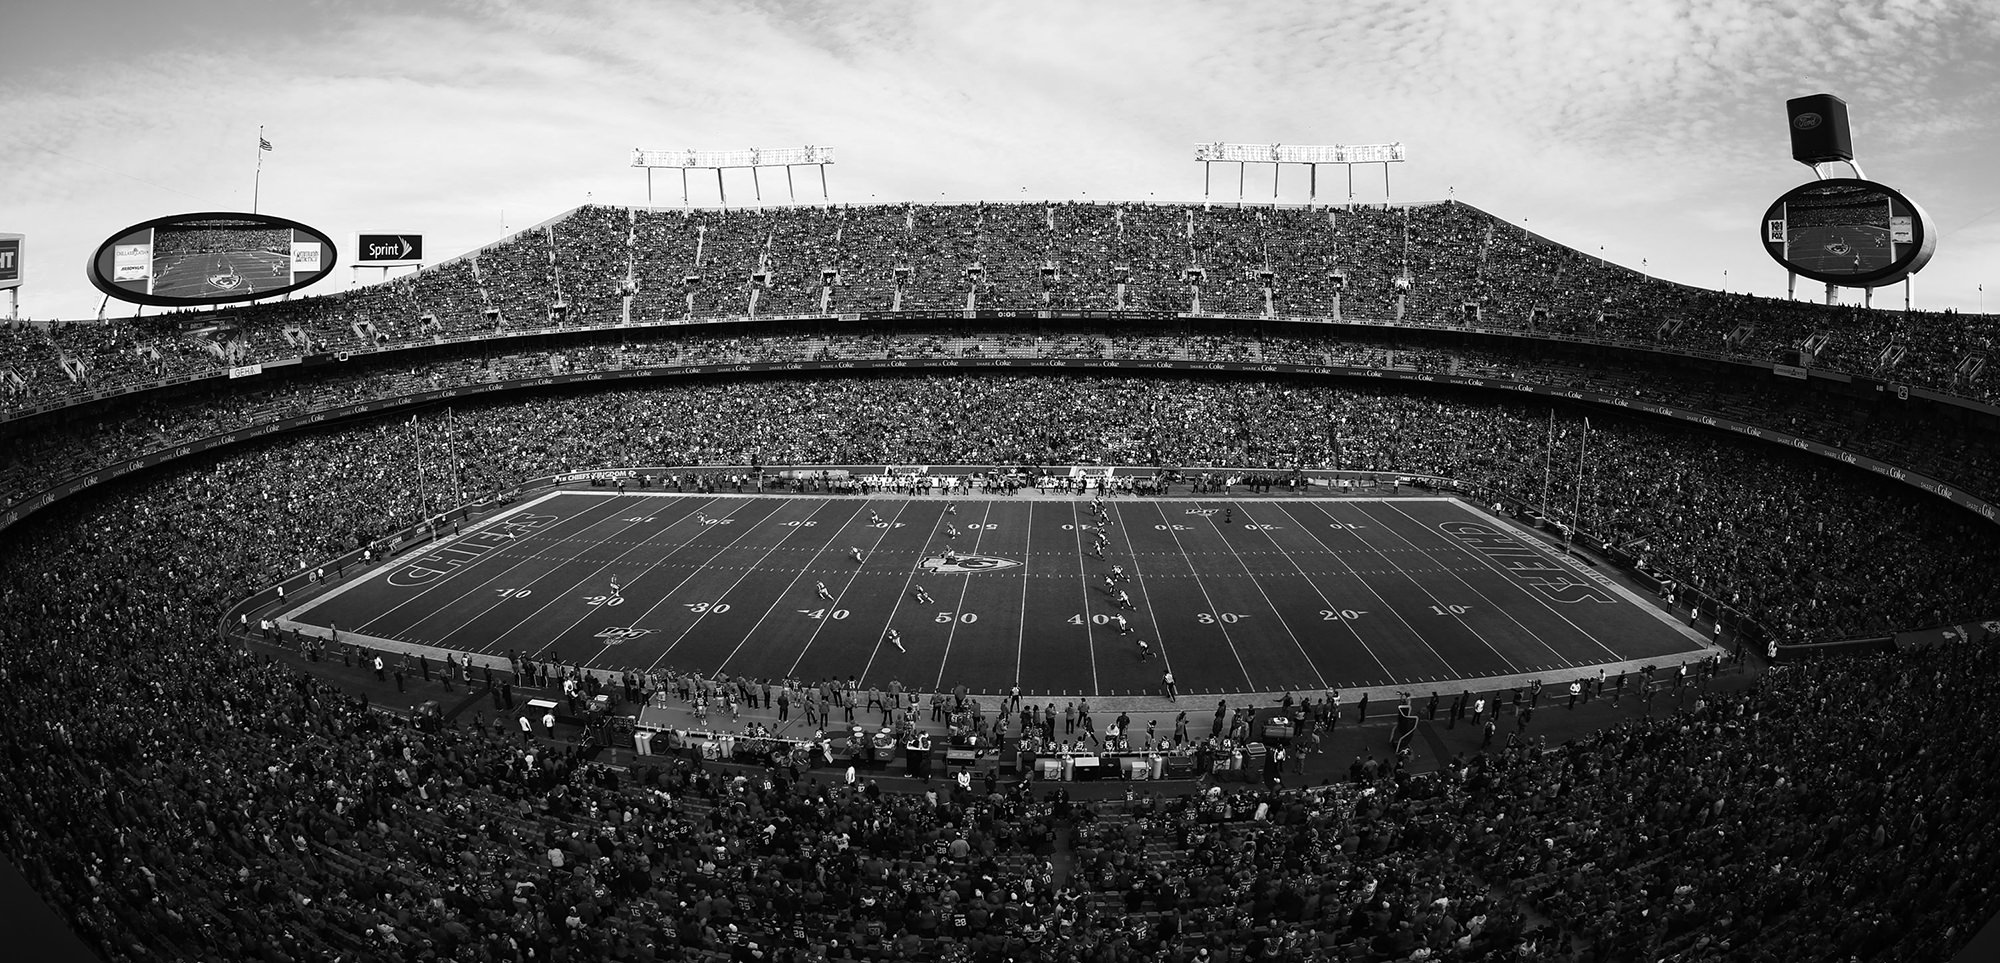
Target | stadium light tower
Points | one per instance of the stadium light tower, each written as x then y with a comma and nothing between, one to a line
1311,156
689,158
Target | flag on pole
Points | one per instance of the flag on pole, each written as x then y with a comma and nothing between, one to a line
263,144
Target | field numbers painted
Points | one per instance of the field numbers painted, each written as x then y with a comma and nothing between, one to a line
965,617
835,614
638,518
1170,528
1333,615
982,526
716,607
1450,609
514,593
604,600
1210,618
804,524
1260,528
718,521
1344,526
1099,619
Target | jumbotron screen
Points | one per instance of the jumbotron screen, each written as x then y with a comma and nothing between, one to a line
210,259
1848,232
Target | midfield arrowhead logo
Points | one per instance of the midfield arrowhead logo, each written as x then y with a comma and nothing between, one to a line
968,564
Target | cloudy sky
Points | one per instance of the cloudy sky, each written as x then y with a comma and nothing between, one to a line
1654,131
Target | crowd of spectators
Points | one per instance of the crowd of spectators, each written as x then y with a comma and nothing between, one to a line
178,798
219,237
1775,533
1434,265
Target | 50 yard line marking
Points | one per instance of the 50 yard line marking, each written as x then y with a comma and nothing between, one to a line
1021,630
965,588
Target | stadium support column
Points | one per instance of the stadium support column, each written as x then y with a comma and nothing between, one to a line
1831,298
720,191
1312,184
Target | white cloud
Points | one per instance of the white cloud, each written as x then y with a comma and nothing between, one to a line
1654,129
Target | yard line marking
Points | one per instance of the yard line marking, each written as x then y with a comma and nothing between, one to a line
1209,599
1252,576
608,500
1441,603
901,506
1370,586
491,644
1090,637
747,569
1560,658
556,598
1516,583
965,588
1345,623
1021,631
1139,582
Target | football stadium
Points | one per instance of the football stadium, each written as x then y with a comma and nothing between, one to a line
1118,581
